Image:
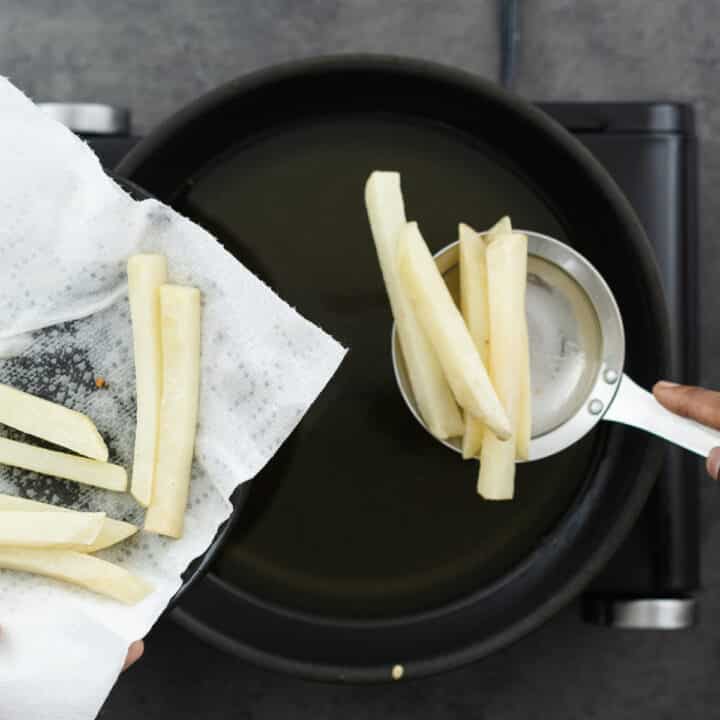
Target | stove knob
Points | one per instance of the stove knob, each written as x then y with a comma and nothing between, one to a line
90,118
641,613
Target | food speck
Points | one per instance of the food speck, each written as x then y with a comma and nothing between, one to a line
100,383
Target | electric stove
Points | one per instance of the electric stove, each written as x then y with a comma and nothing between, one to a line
651,151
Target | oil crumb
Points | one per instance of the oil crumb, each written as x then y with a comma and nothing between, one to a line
397,672
100,382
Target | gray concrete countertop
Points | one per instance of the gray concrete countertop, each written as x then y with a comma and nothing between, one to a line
153,57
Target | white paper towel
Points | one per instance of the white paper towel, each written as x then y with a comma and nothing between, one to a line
66,231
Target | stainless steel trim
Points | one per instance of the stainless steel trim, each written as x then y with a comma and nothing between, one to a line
90,118
644,613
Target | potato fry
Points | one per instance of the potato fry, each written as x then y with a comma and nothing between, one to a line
111,532
496,478
524,428
473,304
52,422
501,227
146,273
507,278
472,439
50,529
474,308
180,321
81,569
386,213
448,334
62,465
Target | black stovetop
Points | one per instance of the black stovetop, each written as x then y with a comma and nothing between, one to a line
650,150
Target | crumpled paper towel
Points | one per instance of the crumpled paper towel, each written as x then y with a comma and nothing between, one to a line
66,231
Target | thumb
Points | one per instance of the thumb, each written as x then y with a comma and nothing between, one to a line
135,652
713,464
695,403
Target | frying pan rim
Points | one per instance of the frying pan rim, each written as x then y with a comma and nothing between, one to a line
596,174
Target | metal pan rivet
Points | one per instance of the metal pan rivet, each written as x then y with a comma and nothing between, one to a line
610,377
595,407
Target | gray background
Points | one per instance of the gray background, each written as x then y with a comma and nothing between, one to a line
154,56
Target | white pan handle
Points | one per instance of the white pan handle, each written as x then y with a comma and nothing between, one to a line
637,407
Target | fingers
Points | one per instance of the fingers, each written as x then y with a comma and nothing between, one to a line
695,403
713,464
135,652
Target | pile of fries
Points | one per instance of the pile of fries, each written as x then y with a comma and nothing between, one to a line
56,542
468,366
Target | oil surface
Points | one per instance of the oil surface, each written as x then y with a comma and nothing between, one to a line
361,513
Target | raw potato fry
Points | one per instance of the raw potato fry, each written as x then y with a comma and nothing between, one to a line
51,529
473,305
52,422
111,533
507,279
146,273
77,568
180,320
62,465
501,227
386,213
496,479
447,332
524,428
474,308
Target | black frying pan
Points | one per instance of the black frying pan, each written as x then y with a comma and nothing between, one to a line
362,545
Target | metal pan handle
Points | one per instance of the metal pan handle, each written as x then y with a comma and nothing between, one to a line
637,407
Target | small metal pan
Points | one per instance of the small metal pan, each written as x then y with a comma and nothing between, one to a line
577,354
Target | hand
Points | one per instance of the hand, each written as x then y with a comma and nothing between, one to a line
697,404
135,652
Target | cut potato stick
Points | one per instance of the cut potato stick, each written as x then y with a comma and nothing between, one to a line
51,529
502,227
180,322
52,422
77,568
496,478
111,533
447,332
435,401
62,465
474,308
524,428
473,305
146,273
507,278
